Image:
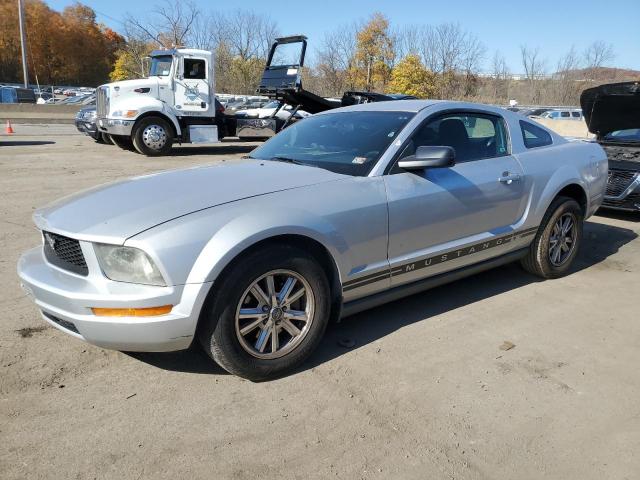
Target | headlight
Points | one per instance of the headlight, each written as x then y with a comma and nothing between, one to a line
125,113
128,264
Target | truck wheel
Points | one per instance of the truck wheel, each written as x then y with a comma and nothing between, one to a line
121,141
558,239
106,138
153,136
268,314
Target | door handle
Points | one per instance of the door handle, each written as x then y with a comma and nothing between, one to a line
508,178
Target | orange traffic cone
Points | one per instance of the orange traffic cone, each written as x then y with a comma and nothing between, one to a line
9,130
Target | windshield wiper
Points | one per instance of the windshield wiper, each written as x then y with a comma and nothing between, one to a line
288,160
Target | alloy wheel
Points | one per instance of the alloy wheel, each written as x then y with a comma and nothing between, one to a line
562,241
274,314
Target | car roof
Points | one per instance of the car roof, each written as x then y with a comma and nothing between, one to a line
414,106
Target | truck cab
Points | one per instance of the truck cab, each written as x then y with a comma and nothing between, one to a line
176,102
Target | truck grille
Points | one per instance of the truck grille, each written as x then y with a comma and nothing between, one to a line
102,102
618,181
65,253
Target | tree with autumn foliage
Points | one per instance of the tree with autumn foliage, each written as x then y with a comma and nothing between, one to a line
67,48
411,77
374,54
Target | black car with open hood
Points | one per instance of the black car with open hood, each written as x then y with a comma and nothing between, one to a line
612,113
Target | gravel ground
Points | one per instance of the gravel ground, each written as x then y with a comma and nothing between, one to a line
430,389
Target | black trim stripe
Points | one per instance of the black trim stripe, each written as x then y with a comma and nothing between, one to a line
436,259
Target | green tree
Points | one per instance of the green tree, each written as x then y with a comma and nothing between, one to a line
411,77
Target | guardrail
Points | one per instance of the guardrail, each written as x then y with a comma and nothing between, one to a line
34,113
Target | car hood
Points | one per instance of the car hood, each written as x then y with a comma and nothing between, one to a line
113,212
611,107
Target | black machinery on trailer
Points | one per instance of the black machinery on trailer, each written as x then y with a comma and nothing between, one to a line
282,81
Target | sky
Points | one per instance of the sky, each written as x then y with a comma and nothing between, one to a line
552,25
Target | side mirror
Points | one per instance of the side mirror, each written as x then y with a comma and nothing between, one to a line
429,157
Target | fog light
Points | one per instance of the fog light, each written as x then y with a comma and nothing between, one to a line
132,312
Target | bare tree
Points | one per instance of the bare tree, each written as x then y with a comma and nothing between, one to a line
596,56
169,26
534,67
335,57
566,87
499,77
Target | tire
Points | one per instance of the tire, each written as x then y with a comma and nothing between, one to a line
121,141
220,330
106,138
543,259
153,136
97,137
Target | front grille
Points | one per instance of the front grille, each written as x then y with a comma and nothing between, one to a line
65,253
102,102
618,181
63,323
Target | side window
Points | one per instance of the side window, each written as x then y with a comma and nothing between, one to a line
534,136
564,114
473,136
194,69
575,114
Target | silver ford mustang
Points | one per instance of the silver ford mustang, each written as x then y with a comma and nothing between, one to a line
340,212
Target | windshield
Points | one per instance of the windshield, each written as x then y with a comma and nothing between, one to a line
630,135
347,142
160,66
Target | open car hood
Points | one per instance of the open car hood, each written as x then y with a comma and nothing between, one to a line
611,107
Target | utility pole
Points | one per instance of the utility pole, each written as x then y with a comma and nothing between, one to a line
23,43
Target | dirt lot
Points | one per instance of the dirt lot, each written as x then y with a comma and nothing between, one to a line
426,392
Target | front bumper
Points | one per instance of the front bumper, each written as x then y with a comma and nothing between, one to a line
86,127
115,126
65,300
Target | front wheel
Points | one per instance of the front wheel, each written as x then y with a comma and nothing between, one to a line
267,314
153,136
556,244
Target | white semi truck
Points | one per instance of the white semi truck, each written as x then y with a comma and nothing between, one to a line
176,103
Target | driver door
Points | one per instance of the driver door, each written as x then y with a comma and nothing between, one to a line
192,86
436,211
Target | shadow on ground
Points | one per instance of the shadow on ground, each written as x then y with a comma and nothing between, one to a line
600,242
24,143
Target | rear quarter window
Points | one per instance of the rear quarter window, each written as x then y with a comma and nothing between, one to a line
534,136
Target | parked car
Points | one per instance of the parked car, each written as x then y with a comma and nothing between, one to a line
612,112
8,95
86,123
533,112
58,91
563,114
343,211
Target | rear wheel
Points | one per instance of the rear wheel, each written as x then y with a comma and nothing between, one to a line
153,136
556,244
267,314
121,141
